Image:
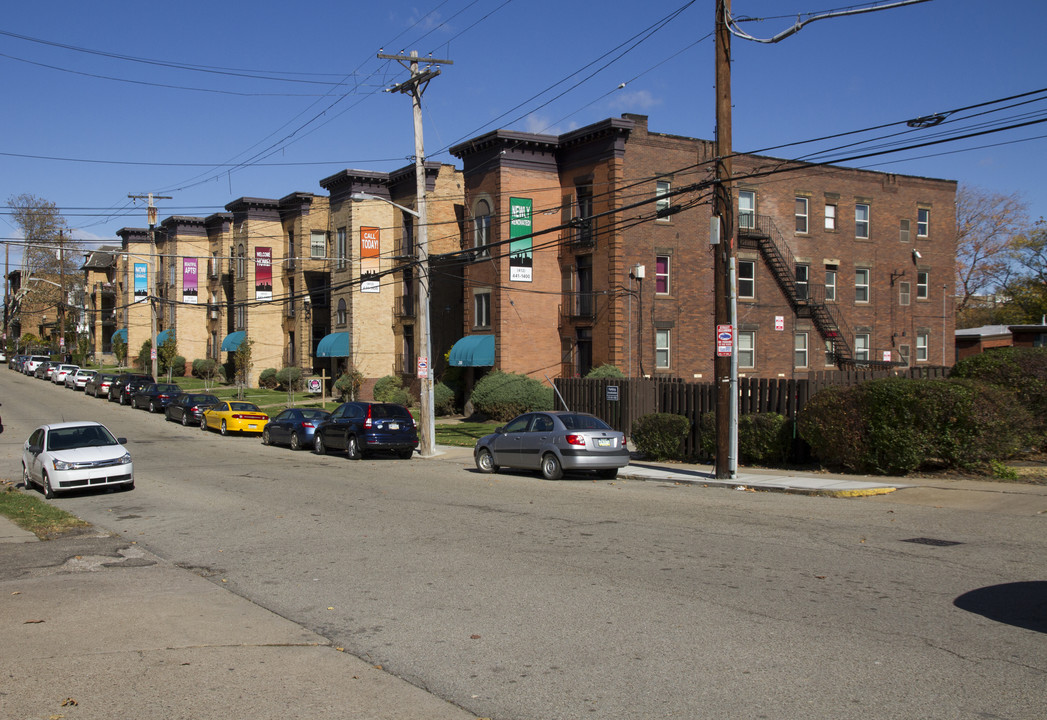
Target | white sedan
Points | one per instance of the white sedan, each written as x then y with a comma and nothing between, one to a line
75,456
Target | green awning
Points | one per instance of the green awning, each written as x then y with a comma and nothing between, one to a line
232,341
161,337
120,335
333,345
473,351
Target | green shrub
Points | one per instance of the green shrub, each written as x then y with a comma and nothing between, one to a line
763,438
502,396
605,371
659,436
391,389
443,399
267,379
290,378
348,383
178,366
897,425
1020,371
207,369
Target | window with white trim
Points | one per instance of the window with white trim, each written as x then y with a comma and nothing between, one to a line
342,249
922,285
830,217
922,342
861,285
861,221
800,350
802,207
746,209
830,282
904,292
661,275
746,348
482,308
342,315
746,279
803,276
923,222
318,244
861,346
662,341
482,227
830,353
664,202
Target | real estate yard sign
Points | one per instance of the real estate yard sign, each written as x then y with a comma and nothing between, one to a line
520,226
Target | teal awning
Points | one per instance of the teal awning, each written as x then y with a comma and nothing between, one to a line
232,341
334,345
161,337
120,335
473,351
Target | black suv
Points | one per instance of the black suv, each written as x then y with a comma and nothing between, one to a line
360,427
126,385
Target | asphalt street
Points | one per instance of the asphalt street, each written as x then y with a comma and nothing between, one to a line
515,598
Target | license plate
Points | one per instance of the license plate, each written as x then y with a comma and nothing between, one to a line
394,426
251,426
603,442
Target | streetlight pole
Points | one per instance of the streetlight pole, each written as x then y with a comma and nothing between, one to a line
155,353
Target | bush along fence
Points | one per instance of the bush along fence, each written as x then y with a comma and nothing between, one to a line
621,401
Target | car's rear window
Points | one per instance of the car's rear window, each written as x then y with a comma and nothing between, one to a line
583,422
382,411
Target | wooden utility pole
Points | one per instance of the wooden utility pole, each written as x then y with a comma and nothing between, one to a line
415,87
723,213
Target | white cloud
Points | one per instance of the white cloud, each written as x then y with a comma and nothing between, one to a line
629,101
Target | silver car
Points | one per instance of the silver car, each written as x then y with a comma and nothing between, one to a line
75,456
553,442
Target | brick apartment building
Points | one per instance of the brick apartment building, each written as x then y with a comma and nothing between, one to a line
836,267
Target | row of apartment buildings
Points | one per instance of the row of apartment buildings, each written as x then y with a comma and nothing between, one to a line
550,255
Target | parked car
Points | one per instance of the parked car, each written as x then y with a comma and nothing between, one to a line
121,392
45,369
99,384
361,427
553,442
234,416
59,373
188,407
32,363
78,380
75,455
294,427
15,362
155,396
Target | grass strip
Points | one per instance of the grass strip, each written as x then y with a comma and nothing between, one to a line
33,514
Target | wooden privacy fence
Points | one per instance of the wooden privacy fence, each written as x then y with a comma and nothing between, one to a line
621,401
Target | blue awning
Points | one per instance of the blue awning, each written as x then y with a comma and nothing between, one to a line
161,337
334,345
232,341
473,351
120,335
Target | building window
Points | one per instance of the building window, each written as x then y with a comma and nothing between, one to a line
861,347
830,218
746,209
661,348
585,301
861,285
861,221
923,222
922,285
922,339
663,203
800,350
746,348
661,275
342,316
241,317
903,293
830,353
583,212
802,205
830,282
214,264
803,273
482,227
342,249
241,261
903,354
407,234
482,308
746,279
583,351
903,231
318,244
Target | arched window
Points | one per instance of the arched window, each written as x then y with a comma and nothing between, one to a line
343,316
482,226
241,261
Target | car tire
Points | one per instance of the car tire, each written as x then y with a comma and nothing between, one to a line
296,442
485,461
405,454
49,492
203,423
266,440
551,469
352,447
27,482
318,444
607,473
185,419
224,429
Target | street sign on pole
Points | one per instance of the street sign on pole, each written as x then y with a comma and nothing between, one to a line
423,367
724,340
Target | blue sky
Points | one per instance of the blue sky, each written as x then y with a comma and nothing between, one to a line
85,129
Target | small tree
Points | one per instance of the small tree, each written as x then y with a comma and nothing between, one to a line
242,366
209,370
120,351
166,353
349,383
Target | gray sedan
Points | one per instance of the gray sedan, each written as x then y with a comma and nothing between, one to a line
553,442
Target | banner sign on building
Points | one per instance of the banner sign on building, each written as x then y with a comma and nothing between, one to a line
263,273
189,286
370,251
141,282
520,226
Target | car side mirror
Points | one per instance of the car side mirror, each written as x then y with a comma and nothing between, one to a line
499,430
122,441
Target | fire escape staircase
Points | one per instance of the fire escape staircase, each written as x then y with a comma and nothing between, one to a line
759,232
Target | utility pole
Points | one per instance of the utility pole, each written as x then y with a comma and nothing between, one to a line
723,216
61,296
415,87
155,262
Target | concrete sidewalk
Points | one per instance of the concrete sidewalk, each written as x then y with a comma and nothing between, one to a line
96,628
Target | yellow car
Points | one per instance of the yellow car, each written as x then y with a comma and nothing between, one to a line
234,416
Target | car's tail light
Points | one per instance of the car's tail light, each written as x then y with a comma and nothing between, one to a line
575,440
307,425
367,423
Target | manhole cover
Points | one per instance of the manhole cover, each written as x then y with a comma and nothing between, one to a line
932,541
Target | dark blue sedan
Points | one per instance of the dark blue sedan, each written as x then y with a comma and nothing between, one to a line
294,427
359,428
